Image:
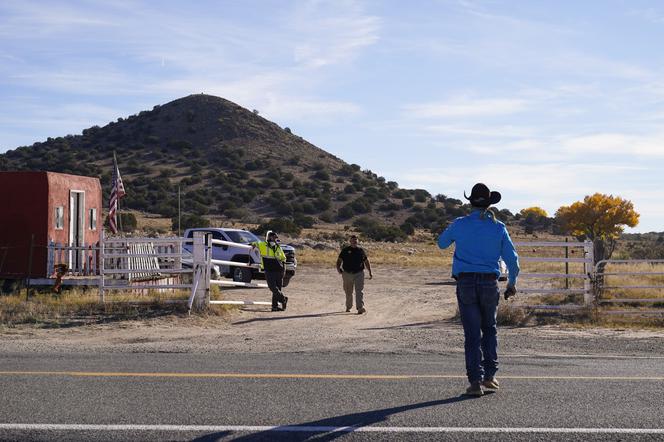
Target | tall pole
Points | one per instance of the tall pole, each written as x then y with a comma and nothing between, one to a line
117,200
178,210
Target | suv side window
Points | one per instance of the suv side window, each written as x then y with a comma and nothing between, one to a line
220,236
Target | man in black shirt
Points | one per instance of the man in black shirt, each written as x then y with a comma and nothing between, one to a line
351,264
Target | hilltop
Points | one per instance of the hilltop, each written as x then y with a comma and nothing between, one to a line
233,164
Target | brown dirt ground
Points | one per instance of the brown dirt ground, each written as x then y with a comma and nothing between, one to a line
410,310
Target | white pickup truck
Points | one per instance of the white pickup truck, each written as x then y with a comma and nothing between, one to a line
239,254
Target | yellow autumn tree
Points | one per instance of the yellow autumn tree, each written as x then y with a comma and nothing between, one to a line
536,212
534,218
599,218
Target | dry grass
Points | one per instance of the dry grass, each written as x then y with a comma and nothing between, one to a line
634,280
424,255
77,307
634,321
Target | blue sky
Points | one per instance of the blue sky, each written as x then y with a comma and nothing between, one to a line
544,101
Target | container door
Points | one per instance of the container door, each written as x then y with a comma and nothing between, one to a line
76,230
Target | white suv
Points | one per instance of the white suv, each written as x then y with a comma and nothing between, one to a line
238,254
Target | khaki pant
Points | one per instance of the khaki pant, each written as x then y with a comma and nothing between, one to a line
354,280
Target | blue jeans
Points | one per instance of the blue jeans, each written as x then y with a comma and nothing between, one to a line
478,297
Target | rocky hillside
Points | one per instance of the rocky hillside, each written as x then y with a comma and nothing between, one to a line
231,163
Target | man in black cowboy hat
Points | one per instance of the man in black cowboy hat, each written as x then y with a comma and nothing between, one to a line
480,241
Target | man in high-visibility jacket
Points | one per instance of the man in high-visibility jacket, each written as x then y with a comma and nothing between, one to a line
273,262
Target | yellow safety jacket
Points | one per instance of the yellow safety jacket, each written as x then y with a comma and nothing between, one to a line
272,258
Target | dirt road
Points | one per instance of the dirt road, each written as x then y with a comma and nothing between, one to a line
409,311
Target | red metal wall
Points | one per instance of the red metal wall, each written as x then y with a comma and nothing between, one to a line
23,212
27,206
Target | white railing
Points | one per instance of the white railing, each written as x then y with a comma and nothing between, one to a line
79,260
236,283
149,265
602,287
586,275
142,264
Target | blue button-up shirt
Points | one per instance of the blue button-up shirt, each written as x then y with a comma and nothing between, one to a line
480,241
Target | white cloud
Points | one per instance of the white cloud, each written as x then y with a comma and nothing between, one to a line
466,107
336,40
483,131
303,109
152,54
549,186
616,144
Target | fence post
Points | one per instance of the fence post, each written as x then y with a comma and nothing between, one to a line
101,266
201,264
566,264
589,295
50,260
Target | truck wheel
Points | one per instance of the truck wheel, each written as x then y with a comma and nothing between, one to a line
241,274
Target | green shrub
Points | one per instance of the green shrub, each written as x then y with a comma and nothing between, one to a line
326,217
306,222
279,225
345,212
377,231
421,195
189,221
126,222
321,175
407,228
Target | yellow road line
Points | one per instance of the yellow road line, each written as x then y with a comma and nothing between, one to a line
314,376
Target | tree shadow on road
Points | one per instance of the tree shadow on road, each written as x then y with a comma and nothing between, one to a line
323,429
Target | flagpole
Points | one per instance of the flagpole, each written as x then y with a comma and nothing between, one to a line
117,210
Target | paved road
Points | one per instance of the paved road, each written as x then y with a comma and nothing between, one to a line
318,396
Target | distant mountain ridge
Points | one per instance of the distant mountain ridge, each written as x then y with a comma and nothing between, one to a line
231,162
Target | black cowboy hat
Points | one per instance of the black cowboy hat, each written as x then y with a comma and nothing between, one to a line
481,196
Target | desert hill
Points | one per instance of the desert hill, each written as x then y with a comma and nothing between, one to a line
231,163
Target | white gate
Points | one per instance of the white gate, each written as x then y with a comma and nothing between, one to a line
586,275
203,259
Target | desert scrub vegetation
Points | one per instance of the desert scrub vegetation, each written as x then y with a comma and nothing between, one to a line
77,306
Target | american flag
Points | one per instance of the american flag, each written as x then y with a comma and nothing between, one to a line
117,192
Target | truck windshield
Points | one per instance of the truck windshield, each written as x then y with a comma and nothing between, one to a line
242,237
